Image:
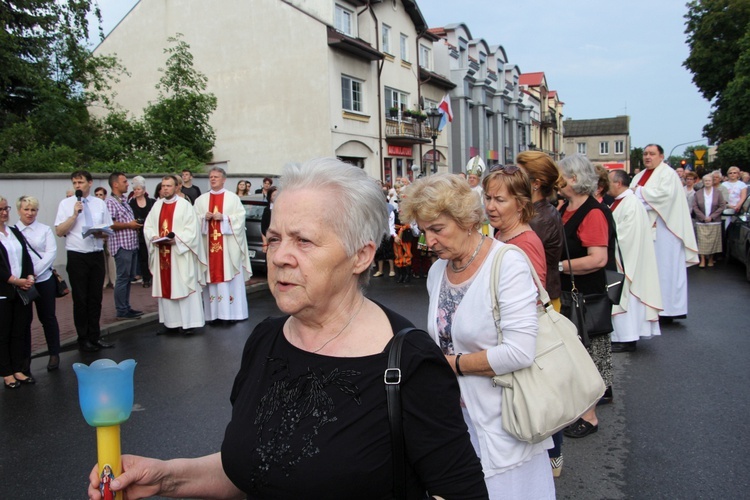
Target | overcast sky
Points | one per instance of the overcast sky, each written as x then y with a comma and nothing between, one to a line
604,57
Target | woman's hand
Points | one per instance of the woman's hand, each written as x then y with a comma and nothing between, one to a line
141,478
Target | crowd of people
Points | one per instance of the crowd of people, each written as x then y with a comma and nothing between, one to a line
190,247
309,410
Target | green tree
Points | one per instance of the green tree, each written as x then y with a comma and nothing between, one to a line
636,159
718,34
178,123
734,152
48,80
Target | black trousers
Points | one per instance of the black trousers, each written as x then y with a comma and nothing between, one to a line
86,274
46,312
14,317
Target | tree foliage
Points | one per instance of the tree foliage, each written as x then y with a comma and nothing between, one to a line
50,79
178,122
734,152
718,34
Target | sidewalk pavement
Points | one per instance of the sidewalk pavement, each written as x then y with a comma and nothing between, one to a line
140,299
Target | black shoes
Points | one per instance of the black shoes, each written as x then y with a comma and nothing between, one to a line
606,398
103,345
87,346
188,331
624,346
12,385
27,380
580,428
54,362
132,314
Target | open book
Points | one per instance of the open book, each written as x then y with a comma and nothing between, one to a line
97,230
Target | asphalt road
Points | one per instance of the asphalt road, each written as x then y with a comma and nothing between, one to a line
674,431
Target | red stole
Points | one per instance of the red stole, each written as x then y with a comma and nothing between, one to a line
646,176
614,205
165,251
215,240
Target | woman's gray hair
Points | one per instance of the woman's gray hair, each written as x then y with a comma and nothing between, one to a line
578,166
355,208
138,181
32,201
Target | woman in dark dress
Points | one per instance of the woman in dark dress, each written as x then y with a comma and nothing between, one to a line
141,205
309,410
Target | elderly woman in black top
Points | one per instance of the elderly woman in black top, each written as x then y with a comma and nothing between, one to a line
309,416
16,271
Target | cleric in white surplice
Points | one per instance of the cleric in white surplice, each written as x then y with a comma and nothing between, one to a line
222,219
660,190
178,264
637,314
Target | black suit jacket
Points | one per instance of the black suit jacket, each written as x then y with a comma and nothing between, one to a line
27,267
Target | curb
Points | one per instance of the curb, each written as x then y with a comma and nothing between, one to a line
146,319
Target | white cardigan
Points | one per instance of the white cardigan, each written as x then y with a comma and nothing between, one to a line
473,330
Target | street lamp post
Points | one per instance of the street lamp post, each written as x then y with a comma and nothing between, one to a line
434,116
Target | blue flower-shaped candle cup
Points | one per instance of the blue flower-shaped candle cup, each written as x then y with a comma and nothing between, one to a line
105,393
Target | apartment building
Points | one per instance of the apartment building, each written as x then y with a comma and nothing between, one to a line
605,141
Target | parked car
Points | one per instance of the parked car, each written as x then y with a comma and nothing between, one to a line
738,237
254,205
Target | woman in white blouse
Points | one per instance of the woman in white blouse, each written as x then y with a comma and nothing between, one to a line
460,321
43,250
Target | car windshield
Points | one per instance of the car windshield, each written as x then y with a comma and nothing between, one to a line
254,212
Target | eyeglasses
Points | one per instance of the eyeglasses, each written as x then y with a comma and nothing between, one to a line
5,209
506,169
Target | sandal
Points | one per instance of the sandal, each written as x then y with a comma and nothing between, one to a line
580,429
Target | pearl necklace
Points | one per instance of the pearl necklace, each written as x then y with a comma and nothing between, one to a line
473,256
342,330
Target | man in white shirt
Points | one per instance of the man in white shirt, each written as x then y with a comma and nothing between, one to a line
85,257
222,219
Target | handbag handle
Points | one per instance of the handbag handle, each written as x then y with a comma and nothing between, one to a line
584,334
392,380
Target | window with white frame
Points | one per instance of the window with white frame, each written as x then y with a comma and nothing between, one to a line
404,47
425,57
581,148
351,94
343,20
604,148
396,99
385,32
619,147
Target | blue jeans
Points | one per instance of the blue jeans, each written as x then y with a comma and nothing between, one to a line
125,262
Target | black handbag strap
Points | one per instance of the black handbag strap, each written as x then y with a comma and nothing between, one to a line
392,379
577,298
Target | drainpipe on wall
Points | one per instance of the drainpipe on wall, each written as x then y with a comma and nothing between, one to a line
379,94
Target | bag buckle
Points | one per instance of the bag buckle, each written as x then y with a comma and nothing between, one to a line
392,376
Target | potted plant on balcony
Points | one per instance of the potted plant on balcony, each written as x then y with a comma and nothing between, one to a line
393,112
420,116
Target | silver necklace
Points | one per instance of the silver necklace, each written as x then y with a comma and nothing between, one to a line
473,256
342,330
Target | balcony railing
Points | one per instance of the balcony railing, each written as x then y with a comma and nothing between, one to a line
407,131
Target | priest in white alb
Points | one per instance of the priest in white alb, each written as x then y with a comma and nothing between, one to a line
637,314
176,259
222,219
660,190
